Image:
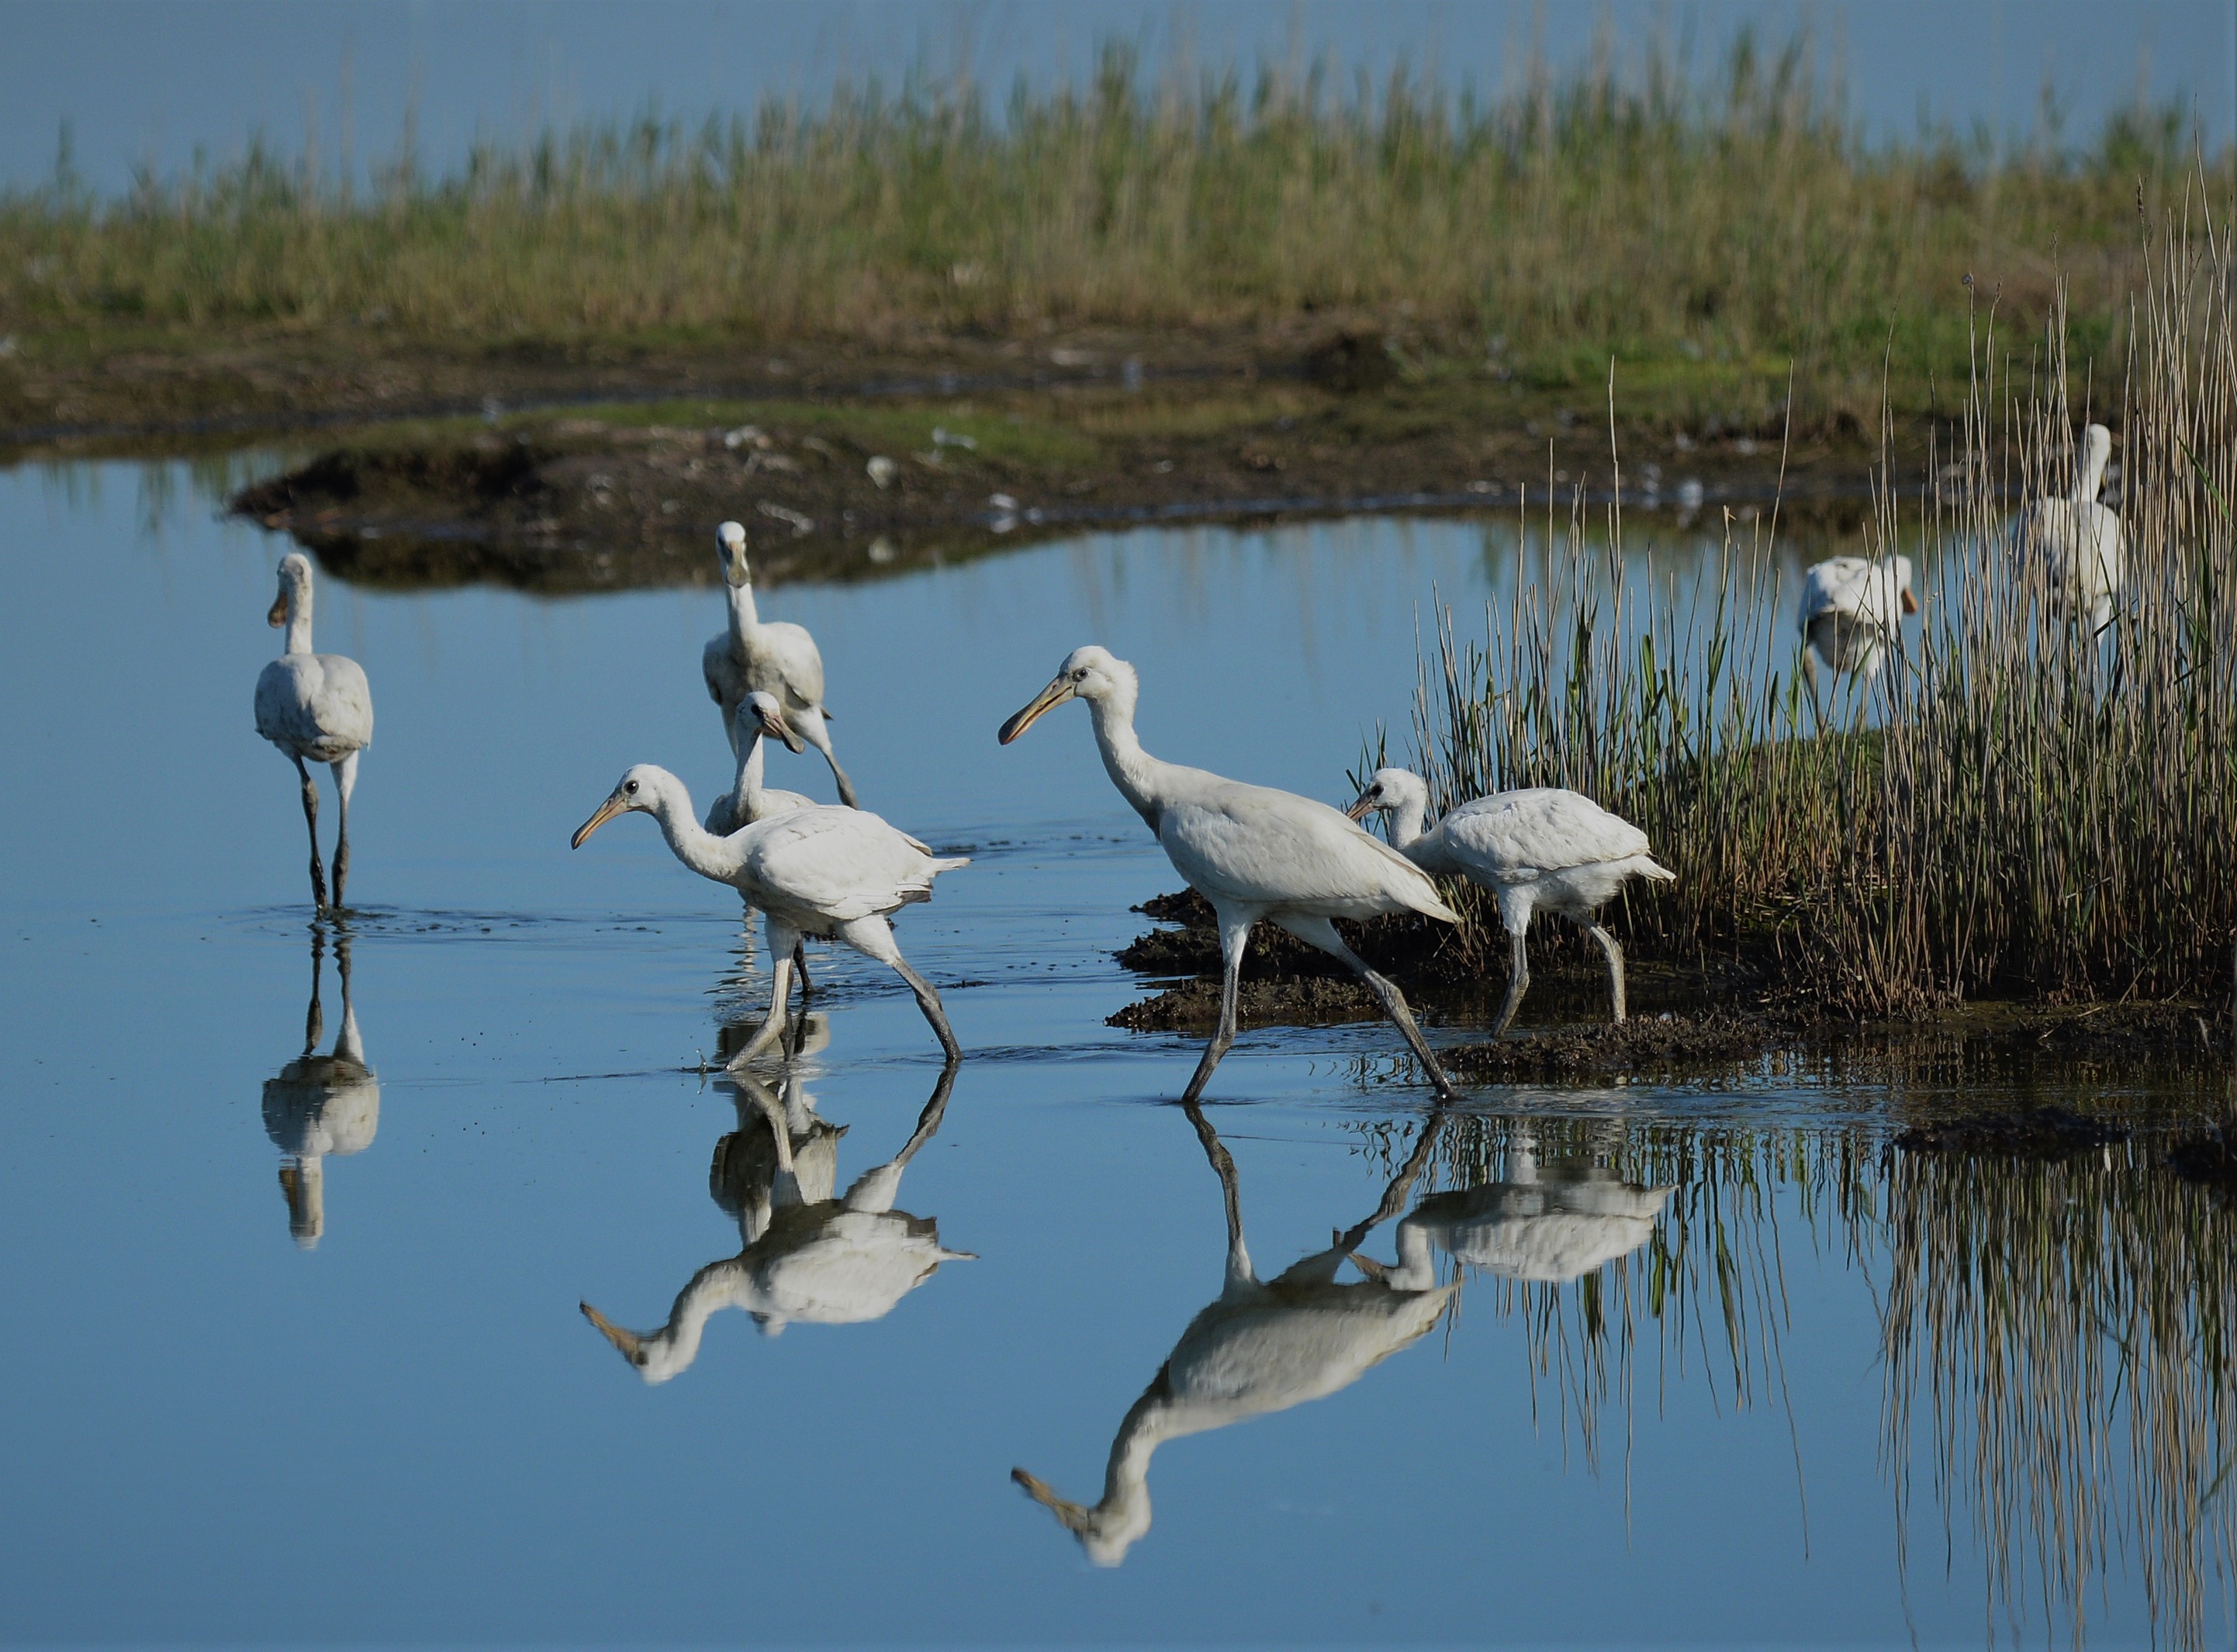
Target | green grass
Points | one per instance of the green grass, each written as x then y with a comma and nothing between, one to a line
1705,233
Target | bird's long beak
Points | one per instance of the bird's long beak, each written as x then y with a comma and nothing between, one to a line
1055,694
774,723
734,565
630,1344
278,614
1074,1516
612,806
1361,808
1909,602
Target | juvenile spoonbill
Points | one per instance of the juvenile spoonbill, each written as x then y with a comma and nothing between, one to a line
812,1259
827,870
1261,1346
316,707
320,1107
749,800
1251,850
1542,847
2078,542
1851,610
779,658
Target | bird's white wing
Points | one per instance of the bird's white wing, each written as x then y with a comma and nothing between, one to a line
841,863
1252,843
726,679
1513,834
344,700
317,705
788,664
1835,586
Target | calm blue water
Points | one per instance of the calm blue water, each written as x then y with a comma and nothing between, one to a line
1674,1428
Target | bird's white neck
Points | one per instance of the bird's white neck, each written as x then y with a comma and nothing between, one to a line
697,847
2090,479
744,621
299,619
748,797
1409,820
1132,770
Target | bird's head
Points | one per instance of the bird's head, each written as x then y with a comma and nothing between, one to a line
730,551
1091,674
1107,1529
759,714
655,1358
1389,789
294,583
644,788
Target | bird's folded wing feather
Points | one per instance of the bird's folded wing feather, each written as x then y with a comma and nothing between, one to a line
844,863
1251,843
1836,585
1543,829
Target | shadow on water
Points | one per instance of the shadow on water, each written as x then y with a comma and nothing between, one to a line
322,1107
809,1257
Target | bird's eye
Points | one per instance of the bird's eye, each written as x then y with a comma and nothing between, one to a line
1080,675
630,788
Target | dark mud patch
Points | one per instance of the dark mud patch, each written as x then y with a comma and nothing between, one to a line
1193,1006
2042,1133
1643,1047
2207,1157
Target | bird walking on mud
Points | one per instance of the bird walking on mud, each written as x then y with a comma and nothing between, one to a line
2079,544
315,707
1850,610
828,871
1252,852
1542,847
777,657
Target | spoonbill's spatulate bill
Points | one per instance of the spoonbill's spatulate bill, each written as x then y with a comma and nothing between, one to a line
1251,850
1851,610
826,870
1542,847
2077,542
315,707
777,657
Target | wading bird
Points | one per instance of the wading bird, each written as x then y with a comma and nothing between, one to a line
320,1107
779,658
2078,543
1251,850
315,707
827,871
813,1259
1851,610
1261,1345
1538,847
749,800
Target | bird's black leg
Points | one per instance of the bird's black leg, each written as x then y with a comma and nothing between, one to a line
311,819
1320,932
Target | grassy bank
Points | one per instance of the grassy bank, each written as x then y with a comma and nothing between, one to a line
2037,813
1707,230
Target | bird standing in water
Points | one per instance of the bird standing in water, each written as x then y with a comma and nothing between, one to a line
777,657
1251,850
2079,543
315,707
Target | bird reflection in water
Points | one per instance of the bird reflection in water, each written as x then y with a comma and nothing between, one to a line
1261,1346
322,1107
809,1256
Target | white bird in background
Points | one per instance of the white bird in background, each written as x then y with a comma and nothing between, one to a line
816,1261
749,800
779,658
1542,847
828,871
1251,850
1850,610
2078,542
315,707
1263,1345
320,1107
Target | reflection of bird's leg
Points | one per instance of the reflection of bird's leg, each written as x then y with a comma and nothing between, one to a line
1234,936
1613,948
1230,1186
1346,1241
874,937
311,820
809,725
783,938
346,1042
344,783
315,1020
1518,981
935,1110
1320,932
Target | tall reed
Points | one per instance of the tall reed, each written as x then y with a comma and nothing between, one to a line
2016,807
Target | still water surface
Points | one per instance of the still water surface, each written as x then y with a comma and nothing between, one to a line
296,1348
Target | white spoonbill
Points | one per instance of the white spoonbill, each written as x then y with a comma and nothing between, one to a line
320,1107
1251,850
1542,847
1851,610
2079,544
815,1260
749,800
1261,1346
828,871
780,658
316,707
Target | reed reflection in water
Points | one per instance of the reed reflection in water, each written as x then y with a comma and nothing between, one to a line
322,1107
